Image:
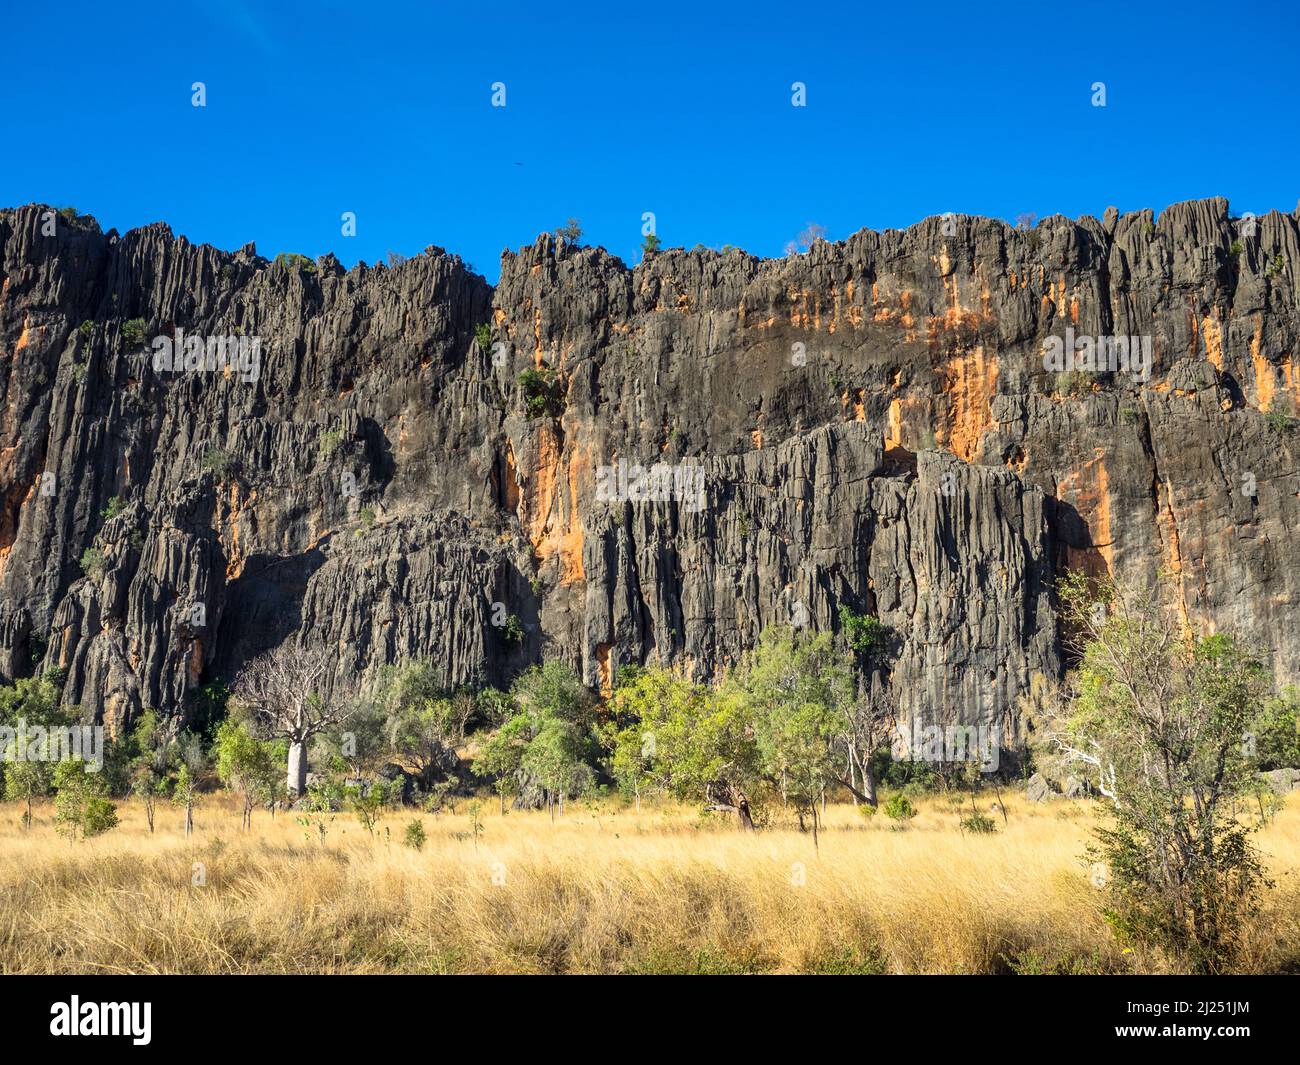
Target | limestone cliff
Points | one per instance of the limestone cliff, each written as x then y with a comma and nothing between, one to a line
870,423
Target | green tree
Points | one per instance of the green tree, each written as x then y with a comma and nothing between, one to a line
81,804
546,745
571,231
1275,734
190,761
423,724
693,742
1158,717
26,781
35,702
774,728
148,771
500,756
799,691
246,763
556,759
370,800
630,743
864,634
871,717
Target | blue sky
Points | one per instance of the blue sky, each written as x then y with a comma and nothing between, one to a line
612,110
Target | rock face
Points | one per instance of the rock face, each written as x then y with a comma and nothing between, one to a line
1282,780
869,424
1037,789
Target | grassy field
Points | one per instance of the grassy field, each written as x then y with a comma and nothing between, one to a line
604,890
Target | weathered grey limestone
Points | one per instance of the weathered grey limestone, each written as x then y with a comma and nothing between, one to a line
871,422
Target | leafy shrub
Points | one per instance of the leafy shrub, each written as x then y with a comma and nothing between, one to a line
218,463
651,244
512,631
1073,383
483,336
1235,248
1278,419
541,392
93,563
865,633
85,329
414,836
293,261
329,442
979,824
899,808
369,802
114,508
367,517
99,816
133,332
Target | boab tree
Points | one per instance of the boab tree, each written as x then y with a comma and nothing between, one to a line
288,691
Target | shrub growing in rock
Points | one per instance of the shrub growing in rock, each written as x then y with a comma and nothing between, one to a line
93,563
133,332
541,392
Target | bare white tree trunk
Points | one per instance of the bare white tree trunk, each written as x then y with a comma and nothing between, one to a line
297,781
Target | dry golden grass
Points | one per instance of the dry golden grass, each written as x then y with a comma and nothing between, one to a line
602,890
